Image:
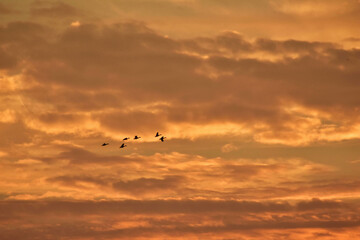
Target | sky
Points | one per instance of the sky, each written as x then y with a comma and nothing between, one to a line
258,101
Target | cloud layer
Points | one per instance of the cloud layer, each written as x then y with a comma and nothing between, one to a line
125,77
262,128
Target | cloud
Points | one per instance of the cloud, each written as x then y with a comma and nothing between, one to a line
140,187
315,204
228,148
352,39
15,132
76,181
292,46
83,208
313,8
124,78
4,9
23,34
130,122
6,61
53,9
262,129
145,186
76,155
124,219
72,172
75,24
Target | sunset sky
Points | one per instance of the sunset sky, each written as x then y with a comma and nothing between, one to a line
259,101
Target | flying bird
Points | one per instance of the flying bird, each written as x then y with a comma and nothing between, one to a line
136,137
162,138
157,134
126,139
104,144
123,145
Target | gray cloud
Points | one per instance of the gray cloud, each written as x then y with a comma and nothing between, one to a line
117,68
15,133
10,208
24,34
143,186
89,219
80,156
53,9
6,61
5,10
73,181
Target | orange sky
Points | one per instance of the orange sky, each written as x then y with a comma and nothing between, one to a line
259,101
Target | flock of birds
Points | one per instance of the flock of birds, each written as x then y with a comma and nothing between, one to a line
162,138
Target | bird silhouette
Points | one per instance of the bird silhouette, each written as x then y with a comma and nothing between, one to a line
157,134
126,139
136,137
162,138
104,144
123,145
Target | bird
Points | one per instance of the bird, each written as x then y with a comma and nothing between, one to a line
126,139
162,138
123,145
136,137
157,134
104,144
